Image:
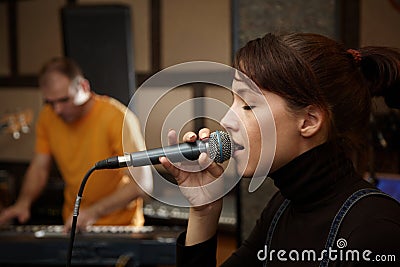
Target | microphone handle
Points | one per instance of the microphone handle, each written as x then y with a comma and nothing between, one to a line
176,153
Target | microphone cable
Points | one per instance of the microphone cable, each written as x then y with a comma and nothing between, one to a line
75,214
220,149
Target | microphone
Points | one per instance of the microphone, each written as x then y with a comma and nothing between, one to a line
218,147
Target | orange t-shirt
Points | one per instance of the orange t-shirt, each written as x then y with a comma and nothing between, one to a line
77,146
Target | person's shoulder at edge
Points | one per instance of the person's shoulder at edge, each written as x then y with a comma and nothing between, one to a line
376,223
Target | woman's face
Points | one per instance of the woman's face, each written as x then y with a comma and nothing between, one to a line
263,130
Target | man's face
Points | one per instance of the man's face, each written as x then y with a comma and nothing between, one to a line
59,92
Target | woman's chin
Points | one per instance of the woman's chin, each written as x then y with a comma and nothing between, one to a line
245,173
251,172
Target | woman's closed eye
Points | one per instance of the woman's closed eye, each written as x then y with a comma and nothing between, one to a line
248,107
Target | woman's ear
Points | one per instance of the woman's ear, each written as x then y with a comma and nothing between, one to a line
312,121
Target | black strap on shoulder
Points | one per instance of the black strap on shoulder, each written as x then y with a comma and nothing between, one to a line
337,221
273,224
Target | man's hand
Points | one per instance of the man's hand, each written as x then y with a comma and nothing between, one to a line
86,218
18,211
34,182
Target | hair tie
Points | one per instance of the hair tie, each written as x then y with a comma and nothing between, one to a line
356,54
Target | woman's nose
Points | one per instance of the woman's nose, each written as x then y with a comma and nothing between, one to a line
230,120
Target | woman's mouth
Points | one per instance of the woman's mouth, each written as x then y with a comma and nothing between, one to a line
237,147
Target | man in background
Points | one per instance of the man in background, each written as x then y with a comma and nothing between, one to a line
78,128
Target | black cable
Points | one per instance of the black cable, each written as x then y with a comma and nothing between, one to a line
75,214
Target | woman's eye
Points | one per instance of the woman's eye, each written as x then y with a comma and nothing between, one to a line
248,107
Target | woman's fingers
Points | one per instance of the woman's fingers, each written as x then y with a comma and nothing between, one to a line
204,133
213,168
169,166
172,137
189,137
204,161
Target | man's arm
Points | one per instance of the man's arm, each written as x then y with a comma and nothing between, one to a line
34,182
127,191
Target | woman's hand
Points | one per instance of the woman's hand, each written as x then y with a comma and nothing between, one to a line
199,183
196,179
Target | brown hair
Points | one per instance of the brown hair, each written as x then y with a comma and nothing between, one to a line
311,69
65,66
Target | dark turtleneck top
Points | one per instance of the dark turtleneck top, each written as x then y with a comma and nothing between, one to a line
317,183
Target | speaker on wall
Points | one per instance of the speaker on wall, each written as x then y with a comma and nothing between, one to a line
99,39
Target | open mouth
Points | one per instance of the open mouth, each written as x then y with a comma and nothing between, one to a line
237,147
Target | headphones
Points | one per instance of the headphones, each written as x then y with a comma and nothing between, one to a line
81,96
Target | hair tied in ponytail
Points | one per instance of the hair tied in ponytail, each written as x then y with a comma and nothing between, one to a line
356,54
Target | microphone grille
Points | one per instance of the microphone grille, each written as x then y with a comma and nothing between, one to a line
220,146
